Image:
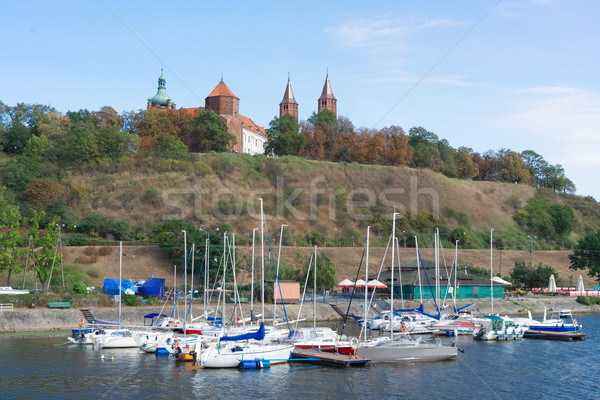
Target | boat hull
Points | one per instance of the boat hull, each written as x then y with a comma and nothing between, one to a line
227,358
393,353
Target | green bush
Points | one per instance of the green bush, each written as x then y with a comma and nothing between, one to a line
132,300
151,197
80,287
588,300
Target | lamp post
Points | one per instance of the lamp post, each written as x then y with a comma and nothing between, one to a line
532,238
335,236
404,238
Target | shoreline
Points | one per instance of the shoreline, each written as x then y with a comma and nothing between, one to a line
47,320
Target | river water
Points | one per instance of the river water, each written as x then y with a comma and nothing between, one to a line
31,367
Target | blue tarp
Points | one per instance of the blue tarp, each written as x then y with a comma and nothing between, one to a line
153,287
258,335
111,286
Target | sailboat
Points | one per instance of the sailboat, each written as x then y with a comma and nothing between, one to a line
116,338
235,351
390,349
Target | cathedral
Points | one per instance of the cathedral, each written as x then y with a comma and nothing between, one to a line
251,138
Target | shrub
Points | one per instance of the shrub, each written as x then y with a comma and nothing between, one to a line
132,300
94,272
41,192
588,300
84,259
80,287
151,197
105,251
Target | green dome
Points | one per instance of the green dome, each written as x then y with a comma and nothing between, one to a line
161,98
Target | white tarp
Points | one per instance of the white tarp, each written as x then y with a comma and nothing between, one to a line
500,281
580,287
552,284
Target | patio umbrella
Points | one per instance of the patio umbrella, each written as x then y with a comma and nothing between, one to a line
360,283
580,287
552,284
376,284
345,283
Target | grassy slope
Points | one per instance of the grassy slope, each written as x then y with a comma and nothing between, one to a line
245,179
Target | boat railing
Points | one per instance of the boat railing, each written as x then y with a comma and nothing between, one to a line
7,307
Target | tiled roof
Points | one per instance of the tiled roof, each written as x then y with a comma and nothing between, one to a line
222,90
249,124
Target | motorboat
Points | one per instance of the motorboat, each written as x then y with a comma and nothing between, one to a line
384,349
10,290
494,327
320,338
559,321
455,324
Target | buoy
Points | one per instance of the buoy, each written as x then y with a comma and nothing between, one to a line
53,345
112,358
49,336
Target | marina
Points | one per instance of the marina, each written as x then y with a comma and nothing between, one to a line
523,369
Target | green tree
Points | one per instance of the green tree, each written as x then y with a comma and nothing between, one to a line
20,171
527,276
47,254
37,147
111,142
284,137
586,255
326,272
426,153
208,132
15,138
10,252
80,145
170,147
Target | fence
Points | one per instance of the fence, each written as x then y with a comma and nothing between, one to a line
6,307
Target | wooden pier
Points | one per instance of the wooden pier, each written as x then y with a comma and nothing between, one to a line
548,335
332,359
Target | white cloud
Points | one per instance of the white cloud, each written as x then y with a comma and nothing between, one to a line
381,33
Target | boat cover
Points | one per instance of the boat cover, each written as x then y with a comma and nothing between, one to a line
153,287
258,335
111,286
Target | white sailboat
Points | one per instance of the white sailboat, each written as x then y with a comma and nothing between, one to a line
405,349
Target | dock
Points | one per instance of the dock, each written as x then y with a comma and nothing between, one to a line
331,359
548,335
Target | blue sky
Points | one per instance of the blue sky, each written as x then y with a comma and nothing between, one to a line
485,74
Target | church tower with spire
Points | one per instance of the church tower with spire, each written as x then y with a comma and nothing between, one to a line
161,99
327,101
288,105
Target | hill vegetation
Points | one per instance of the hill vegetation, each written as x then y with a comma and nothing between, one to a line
103,175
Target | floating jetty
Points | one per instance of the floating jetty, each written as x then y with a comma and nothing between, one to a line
566,336
331,359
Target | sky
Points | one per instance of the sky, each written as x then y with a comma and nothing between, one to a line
485,74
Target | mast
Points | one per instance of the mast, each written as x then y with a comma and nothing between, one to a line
277,275
367,285
252,282
192,280
492,269
262,262
184,277
120,277
206,262
315,295
392,283
419,268
455,273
